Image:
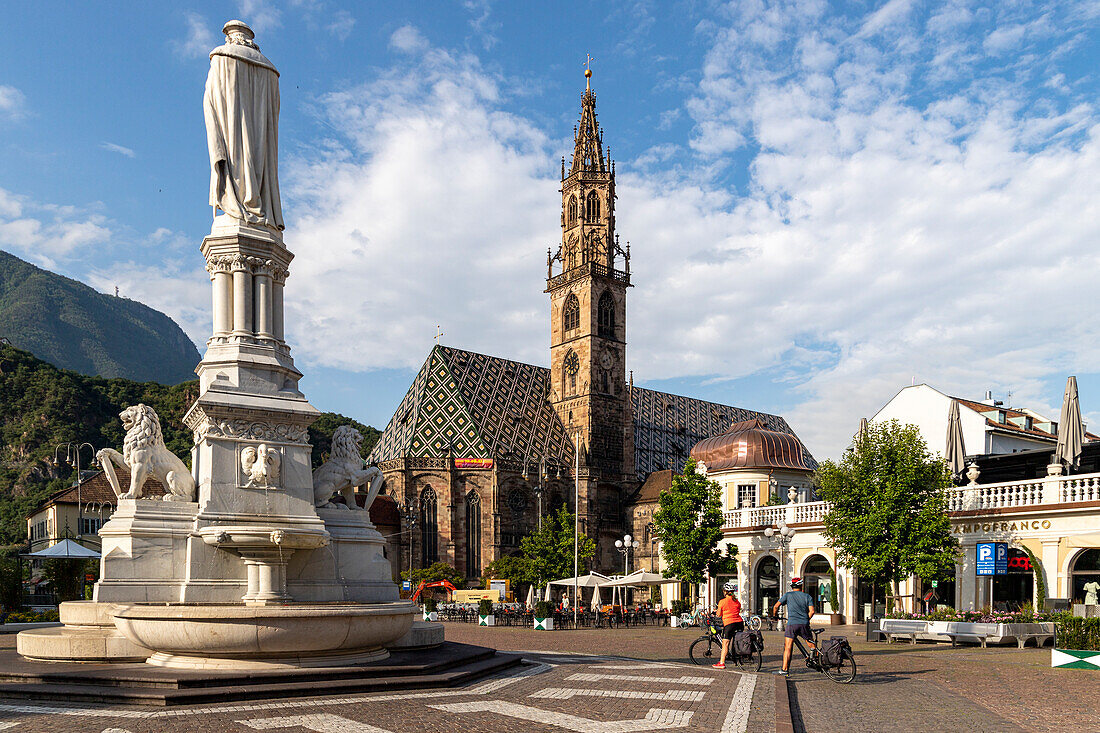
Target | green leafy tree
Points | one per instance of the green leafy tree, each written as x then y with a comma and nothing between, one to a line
66,576
689,525
513,568
888,515
549,552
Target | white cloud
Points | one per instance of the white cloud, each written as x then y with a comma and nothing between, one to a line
47,233
408,39
260,15
12,103
341,25
174,286
120,149
200,38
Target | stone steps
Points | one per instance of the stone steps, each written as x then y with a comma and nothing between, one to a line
451,665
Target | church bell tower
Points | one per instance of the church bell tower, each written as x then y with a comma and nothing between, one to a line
588,385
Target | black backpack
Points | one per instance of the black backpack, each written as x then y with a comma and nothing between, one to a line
743,643
831,650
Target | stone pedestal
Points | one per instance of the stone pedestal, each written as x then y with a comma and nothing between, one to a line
146,553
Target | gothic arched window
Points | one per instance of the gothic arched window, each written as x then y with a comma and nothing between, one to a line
592,207
570,254
570,367
473,535
429,530
572,211
571,313
606,315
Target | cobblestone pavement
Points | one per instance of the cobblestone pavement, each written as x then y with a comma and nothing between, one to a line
623,680
550,692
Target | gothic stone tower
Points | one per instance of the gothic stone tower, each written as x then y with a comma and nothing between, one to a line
588,385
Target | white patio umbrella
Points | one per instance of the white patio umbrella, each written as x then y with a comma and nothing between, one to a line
591,580
596,604
956,449
531,596
1071,430
64,549
641,578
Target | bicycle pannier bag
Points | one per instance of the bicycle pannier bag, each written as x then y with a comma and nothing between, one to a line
742,643
831,650
758,640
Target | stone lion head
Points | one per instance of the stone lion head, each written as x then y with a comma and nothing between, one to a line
345,443
142,427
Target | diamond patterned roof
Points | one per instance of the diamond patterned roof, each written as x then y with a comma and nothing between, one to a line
488,407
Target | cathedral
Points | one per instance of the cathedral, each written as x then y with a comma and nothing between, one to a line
481,448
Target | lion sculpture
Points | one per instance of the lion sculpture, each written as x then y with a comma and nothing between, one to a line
144,455
344,470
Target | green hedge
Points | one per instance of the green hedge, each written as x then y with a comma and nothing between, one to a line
1074,632
680,605
485,607
544,609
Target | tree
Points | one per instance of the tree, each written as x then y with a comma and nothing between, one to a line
515,569
66,576
888,514
549,551
689,525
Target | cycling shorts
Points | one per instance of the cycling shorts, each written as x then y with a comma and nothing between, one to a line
730,629
802,630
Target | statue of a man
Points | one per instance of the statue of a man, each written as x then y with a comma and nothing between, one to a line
241,107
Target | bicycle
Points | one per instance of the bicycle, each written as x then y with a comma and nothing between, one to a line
843,673
709,647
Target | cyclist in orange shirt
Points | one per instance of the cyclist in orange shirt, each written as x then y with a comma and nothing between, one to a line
729,608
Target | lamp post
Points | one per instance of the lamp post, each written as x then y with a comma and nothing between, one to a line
625,545
651,533
783,536
72,457
540,488
409,513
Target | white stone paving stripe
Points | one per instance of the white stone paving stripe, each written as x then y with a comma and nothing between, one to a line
643,665
323,723
104,712
654,719
564,693
737,719
684,680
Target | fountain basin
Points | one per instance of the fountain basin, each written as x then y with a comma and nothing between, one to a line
265,637
257,536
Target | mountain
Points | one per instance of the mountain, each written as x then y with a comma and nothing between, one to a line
42,406
76,327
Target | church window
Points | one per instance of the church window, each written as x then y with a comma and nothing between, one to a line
429,529
473,535
572,209
606,315
571,313
570,367
592,207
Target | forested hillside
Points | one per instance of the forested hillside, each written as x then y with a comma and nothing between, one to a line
73,326
42,406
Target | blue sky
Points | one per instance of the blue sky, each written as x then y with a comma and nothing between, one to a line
825,201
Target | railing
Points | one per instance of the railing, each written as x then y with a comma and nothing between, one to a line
1007,494
595,268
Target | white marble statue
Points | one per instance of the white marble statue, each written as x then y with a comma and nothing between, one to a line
261,465
241,106
144,455
344,470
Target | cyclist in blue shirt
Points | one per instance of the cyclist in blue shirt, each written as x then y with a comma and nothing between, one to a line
800,609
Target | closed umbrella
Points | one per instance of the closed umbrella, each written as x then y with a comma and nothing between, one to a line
956,449
1071,431
530,597
546,594
862,432
596,604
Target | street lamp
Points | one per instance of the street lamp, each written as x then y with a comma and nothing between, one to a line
72,457
625,545
409,513
540,488
783,536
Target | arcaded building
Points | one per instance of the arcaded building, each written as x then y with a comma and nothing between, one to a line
480,443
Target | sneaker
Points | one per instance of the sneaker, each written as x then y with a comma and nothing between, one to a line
782,672
718,666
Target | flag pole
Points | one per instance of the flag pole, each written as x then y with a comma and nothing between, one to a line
576,524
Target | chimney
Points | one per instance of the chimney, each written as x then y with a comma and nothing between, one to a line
988,397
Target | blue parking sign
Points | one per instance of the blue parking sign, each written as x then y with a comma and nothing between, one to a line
406,585
992,558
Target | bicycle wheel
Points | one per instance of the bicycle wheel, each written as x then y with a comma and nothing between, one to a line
704,650
846,672
751,663
754,623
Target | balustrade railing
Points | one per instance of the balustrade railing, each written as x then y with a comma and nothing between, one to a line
1007,494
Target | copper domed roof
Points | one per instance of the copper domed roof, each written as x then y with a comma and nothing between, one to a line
749,444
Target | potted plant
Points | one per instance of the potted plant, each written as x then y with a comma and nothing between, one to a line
544,616
485,615
1076,643
835,616
676,608
430,613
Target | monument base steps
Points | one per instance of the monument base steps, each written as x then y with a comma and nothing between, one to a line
142,684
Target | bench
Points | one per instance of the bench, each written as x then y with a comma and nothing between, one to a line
895,628
983,639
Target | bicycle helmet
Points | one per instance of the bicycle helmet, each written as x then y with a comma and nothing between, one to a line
729,587
796,582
